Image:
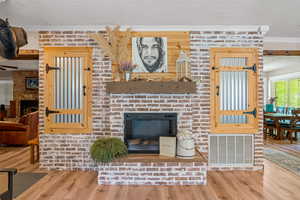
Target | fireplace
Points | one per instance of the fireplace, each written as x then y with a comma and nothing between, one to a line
142,130
28,106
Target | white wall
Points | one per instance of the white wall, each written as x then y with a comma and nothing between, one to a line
5,75
33,38
284,72
281,46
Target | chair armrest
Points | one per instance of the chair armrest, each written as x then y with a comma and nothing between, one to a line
13,126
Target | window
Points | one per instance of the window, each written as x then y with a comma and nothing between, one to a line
6,91
287,92
68,90
234,90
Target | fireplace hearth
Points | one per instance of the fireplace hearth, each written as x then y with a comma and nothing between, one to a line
142,130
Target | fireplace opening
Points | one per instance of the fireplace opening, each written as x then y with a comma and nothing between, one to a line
28,106
142,130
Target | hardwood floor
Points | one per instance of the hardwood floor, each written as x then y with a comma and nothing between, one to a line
275,183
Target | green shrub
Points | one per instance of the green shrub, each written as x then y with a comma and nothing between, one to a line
108,149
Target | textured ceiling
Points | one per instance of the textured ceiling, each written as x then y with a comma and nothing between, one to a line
282,16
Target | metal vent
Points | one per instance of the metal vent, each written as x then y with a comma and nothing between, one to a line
230,150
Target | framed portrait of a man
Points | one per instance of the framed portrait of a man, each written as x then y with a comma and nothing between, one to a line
150,54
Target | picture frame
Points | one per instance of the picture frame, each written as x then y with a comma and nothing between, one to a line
150,54
31,83
167,146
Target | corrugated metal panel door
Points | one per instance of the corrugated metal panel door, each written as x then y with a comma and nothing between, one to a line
68,88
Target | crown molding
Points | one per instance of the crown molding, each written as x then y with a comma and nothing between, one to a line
263,29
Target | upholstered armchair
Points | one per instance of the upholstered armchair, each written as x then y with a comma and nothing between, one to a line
19,133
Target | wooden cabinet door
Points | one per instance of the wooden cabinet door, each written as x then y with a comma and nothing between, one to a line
234,90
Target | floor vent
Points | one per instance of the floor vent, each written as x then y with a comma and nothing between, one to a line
230,150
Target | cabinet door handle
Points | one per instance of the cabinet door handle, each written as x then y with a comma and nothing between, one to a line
84,90
48,111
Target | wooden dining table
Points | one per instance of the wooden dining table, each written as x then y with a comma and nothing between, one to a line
277,117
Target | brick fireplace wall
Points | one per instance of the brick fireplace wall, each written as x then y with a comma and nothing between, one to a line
153,173
120,104
71,151
20,91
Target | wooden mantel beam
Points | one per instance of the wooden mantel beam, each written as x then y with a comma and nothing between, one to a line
281,53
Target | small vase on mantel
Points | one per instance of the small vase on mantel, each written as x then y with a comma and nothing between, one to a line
127,68
127,75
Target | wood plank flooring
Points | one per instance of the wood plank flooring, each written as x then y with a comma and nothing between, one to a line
275,183
284,145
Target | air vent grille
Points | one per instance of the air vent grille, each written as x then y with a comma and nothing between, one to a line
231,150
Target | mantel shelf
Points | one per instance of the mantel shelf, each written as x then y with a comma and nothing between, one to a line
148,87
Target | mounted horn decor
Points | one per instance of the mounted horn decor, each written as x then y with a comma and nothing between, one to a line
11,39
115,45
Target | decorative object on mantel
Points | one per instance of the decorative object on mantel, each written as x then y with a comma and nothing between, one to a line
167,146
151,87
166,43
107,149
150,54
183,68
127,68
115,46
185,144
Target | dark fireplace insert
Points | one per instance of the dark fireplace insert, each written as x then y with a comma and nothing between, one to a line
142,130
28,106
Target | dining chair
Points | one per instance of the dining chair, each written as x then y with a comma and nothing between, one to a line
269,127
289,110
293,127
284,110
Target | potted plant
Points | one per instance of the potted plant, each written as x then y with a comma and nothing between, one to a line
107,149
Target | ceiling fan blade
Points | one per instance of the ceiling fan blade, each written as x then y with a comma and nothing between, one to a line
2,68
11,67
